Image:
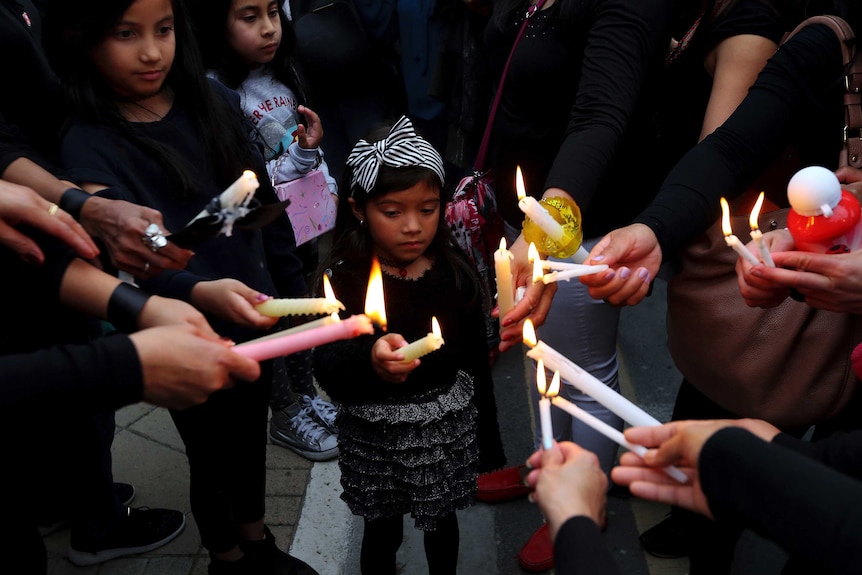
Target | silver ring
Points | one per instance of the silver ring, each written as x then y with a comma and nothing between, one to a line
154,239
146,267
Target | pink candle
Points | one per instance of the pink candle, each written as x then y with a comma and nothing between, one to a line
292,343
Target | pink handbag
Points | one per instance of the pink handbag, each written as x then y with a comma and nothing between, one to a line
312,206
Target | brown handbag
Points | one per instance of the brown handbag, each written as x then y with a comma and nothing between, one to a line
789,365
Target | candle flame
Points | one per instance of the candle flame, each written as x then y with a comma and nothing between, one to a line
725,218
375,305
519,184
435,328
327,289
540,377
532,253
502,244
554,388
529,333
755,212
538,270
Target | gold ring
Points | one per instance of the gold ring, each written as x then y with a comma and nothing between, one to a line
53,209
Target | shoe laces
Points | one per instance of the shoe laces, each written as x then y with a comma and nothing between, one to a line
306,427
325,410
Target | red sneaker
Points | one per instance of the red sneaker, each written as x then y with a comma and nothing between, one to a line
504,485
538,553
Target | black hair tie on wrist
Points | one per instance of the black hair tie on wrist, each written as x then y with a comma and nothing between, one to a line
73,200
125,306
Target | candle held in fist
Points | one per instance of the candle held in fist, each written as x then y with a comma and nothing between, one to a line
431,342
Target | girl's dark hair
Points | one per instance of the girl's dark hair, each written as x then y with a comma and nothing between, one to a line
352,241
83,24
209,18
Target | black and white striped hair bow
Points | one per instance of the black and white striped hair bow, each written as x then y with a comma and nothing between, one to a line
401,148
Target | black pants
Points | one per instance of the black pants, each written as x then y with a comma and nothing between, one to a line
382,538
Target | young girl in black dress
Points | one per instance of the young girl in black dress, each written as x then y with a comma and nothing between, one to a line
407,438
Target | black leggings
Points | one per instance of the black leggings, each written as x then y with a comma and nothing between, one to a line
382,538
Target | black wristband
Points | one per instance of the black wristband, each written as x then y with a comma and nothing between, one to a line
125,306
73,200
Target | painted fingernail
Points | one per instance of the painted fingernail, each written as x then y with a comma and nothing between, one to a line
643,273
611,275
262,297
597,258
32,258
625,273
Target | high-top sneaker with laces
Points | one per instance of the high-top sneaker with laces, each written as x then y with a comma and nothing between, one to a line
323,411
303,434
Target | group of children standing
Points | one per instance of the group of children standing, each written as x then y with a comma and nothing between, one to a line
150,127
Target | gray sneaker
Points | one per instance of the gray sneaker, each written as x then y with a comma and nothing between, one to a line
321,410
302,434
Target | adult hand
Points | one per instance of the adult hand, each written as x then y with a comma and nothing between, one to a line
310,136
568,481
233,301
20,205
388,362
831,282
534,305
121,225
759,291
851,180
633,247
678,443
181,368
161,311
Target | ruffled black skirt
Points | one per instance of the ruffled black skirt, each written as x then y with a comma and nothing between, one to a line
416,457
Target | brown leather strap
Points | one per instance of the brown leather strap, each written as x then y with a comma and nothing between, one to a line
851,152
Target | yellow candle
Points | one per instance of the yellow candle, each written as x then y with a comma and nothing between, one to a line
503,269
431,342
298,306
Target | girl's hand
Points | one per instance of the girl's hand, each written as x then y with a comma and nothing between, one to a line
388,362
634,257
233,301
309,137
760,291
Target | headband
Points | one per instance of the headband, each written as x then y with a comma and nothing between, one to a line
401,148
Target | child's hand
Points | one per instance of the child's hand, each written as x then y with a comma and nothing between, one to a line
233,301
388,362
309,137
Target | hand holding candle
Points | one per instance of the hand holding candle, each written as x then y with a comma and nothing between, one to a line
757,235
431,342
731,240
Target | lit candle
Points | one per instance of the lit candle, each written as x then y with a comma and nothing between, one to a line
757,235
731,240
287,344
425,345
375,304
533,210
503,270
534,258
328,304
612,434
585,382
546,394
566,275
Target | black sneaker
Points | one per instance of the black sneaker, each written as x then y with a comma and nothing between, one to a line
267,559
668,539
142,530
124,492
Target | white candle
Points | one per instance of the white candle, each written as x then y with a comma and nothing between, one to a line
534,210
612,434
566,275
241,191
503,270
328,320
431,342
288,344
577,377
730,239
545,405
280,307
757,235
